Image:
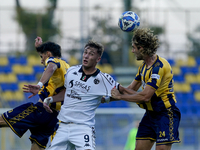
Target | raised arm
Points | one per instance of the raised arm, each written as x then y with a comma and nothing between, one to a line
34,89
51,67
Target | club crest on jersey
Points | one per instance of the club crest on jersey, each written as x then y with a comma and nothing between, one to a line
83,78
157,64
96,81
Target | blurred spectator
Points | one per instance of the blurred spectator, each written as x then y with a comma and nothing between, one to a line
131,140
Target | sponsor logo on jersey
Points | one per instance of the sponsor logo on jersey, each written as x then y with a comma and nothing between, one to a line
74,95
77,84
71,83
162,140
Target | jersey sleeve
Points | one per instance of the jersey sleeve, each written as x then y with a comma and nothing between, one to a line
156,77
138,75
68,71
52,60
109,83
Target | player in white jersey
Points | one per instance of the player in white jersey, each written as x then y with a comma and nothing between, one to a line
85,87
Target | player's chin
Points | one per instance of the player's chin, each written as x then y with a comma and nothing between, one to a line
85,63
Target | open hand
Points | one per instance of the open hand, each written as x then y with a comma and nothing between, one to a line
34,89
38,41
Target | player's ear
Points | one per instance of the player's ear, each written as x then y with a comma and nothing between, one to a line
49,54
98,59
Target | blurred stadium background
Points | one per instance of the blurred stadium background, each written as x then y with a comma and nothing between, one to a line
176,22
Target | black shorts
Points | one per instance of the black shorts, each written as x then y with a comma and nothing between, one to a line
35,118
161,127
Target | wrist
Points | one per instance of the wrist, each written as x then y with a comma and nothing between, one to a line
40,84
120,97
48,100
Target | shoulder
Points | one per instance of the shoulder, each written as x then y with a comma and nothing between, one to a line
141,66
50,59
77,67
161,65
163,61
106,77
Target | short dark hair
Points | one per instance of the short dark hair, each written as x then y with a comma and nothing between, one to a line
54,48
145,38
98,46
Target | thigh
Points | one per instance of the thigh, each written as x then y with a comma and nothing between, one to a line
146,130
44,125
61,139
164,147
82,136
34,146
144,144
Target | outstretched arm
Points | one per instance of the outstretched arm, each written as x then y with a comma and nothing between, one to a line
142,96
131,89
34,89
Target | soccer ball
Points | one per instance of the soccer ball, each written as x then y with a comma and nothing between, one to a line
129,21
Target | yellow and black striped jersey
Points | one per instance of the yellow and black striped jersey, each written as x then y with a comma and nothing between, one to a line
56,81
159,76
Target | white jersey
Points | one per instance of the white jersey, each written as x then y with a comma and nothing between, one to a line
83,95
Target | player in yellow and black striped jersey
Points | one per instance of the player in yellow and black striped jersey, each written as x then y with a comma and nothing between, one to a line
159,76
161,120
56,82
32,116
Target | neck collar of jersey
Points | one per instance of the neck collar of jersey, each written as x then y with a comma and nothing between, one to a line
94,74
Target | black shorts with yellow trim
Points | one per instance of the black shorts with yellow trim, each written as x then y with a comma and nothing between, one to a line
161,127
32,117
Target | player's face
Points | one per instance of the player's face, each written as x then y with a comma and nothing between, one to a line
137,52
43,57
90,57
